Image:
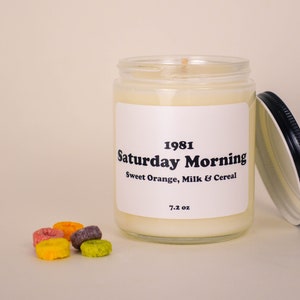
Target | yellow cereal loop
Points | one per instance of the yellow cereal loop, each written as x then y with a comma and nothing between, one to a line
54,248
68,228
96,248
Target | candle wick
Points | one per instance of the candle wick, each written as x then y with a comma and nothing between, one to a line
184,61
184,64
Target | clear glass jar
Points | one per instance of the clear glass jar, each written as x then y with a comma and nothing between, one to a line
184,148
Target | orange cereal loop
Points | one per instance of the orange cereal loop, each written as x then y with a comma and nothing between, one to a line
68,228
52,249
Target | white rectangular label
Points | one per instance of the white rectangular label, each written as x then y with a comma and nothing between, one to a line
182,162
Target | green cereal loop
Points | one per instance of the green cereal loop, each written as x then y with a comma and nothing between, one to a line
95,248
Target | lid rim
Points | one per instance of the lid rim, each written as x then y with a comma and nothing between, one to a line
287,124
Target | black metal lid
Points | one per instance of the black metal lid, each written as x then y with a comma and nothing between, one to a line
278,154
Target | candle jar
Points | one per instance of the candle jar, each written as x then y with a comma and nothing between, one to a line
184,148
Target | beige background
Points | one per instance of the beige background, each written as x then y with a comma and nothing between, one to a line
57,64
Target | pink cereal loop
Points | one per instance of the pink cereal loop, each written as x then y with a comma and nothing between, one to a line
47,233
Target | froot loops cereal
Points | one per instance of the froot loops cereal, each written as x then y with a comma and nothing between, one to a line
95,248
68,228
53,248
54,243
85,234
46,234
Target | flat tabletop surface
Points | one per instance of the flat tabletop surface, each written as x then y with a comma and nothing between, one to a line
262,264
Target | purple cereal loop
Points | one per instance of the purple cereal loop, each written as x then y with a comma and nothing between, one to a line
85,234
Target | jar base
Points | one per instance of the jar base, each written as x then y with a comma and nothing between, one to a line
185,240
